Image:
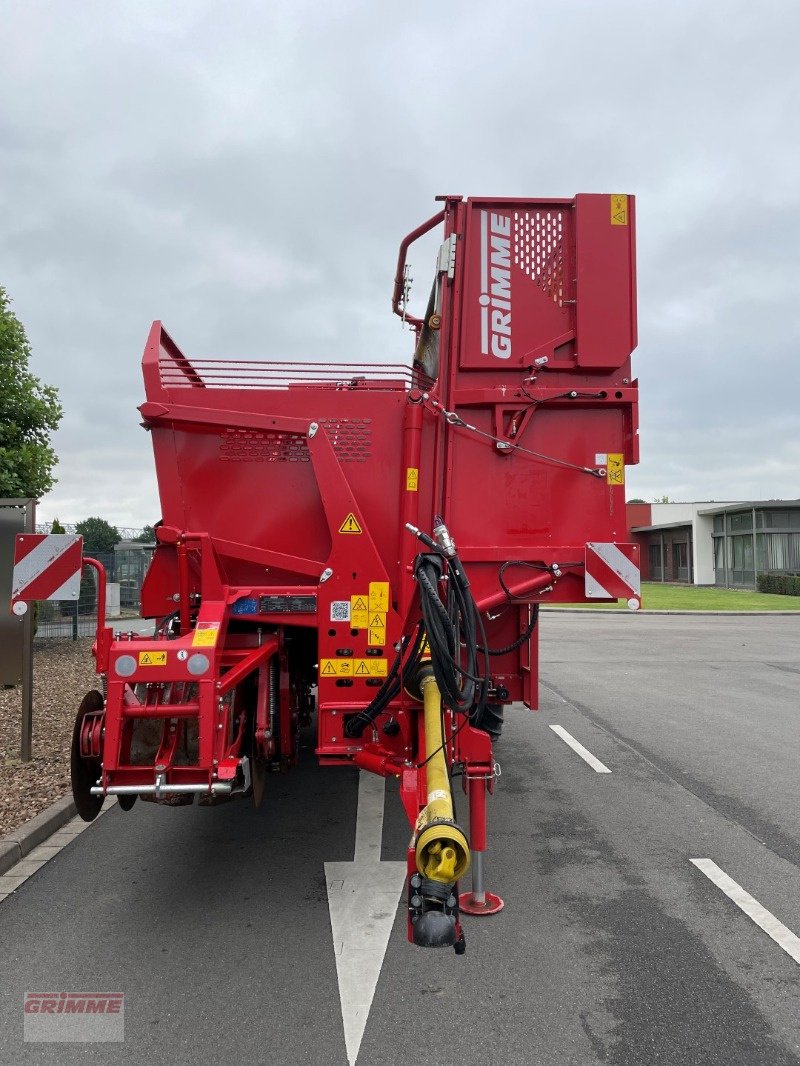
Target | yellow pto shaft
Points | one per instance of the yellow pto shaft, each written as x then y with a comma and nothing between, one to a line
442,850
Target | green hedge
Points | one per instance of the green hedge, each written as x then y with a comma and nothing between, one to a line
780,584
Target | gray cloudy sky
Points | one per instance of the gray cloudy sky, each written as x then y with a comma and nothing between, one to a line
245,171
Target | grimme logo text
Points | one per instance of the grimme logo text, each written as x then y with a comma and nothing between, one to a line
495,297
73,1003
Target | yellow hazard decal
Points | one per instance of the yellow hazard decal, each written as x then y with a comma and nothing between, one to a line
205,635
615,469
379,596
370,667
377,636
350,525
336,668
152,658
412,478
619,210
359,611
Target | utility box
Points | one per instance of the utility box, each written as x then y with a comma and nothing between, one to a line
12,629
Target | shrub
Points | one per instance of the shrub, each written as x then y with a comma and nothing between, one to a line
779,584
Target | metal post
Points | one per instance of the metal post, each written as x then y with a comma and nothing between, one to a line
755,551
26,744
725,540
75,620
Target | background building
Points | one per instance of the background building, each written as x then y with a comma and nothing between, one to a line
712,543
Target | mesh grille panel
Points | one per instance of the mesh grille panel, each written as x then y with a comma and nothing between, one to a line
351,439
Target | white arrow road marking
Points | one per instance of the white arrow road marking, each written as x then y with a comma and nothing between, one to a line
362,899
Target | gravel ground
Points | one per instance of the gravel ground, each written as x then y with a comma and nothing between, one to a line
63,672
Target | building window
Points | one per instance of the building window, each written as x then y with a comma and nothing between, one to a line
654,552
719,523
740,522
680,561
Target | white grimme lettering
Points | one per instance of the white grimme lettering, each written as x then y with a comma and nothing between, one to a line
495,298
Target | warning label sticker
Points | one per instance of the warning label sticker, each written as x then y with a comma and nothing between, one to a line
379,596
615,470
370,667
412,478
152,658
377,636
350,525
336,668
619,210
359,612
205,635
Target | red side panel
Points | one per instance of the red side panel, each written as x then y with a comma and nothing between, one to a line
605,291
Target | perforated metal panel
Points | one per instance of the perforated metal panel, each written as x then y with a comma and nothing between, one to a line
351,439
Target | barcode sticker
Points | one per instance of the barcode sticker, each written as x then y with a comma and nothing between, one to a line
340,610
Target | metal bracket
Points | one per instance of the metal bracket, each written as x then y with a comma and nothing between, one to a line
447,256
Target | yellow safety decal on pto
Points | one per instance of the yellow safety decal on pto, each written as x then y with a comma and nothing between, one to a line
377,636
370,667
152,658
350,525
336,668
412,478
615,469
205,635
379,596
619,210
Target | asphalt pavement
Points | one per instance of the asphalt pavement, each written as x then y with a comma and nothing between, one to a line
613,947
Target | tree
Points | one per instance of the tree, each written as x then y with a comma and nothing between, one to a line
56,527
98,535
662,499
637,501
29,414
147,536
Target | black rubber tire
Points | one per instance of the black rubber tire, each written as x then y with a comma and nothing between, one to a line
85,772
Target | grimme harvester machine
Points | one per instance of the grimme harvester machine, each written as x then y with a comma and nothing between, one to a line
372,543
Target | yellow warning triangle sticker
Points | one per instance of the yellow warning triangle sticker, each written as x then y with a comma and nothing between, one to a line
378,620
362,668
350,525
360,604
328,668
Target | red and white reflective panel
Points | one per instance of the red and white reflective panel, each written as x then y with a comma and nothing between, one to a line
47,566
612,572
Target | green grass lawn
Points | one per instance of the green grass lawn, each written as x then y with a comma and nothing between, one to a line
658,597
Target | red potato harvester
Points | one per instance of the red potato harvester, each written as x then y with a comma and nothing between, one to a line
372,543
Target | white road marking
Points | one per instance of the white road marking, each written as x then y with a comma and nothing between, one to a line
782,936
579,749
34,860
362,900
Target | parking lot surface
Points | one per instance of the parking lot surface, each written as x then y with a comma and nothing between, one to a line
613,947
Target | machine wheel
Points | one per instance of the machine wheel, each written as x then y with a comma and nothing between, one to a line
85,772
126,802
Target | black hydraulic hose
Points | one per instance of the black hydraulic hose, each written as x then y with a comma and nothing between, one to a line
521,639
356,725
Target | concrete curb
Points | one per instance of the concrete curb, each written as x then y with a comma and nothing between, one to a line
20,842
724,614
